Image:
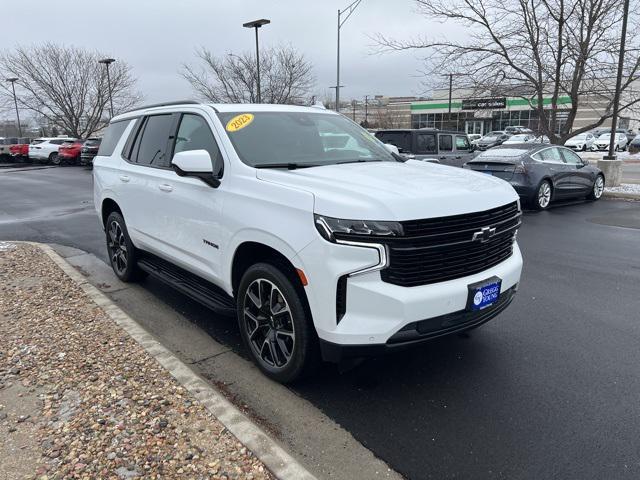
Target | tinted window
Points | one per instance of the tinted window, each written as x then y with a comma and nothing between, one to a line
446,143
154,141
402,140
111,137
570,157
194,134
462,143
426,143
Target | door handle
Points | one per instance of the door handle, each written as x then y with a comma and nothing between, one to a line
124,178
165,187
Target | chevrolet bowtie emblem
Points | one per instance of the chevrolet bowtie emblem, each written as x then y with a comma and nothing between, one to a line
484,235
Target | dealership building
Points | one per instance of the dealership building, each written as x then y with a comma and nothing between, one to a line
472,114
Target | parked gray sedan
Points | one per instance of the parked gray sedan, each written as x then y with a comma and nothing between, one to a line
541,173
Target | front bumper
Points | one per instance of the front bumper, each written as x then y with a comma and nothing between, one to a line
375,311
417,333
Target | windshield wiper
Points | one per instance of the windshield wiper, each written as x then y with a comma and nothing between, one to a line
288,166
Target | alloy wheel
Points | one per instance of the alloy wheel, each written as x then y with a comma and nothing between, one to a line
268,323
117,245
544,195
598,187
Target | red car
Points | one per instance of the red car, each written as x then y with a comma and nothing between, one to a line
69,152
20,149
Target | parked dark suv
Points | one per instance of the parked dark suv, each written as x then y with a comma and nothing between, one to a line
89,150
444,146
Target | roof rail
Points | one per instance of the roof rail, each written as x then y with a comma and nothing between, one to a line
165,104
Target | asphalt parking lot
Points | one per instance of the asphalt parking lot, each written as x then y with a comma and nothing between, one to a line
548,390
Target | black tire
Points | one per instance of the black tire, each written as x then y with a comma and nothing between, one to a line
288,330
120,250
537,202
55,159
597,189
584,147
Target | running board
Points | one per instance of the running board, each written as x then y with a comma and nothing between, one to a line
191,285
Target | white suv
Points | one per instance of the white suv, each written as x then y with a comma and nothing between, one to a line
322,249
46,148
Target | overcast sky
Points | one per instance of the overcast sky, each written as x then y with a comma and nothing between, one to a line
157,37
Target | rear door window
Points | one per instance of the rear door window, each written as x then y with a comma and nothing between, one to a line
446,143
426,143
111,137
550,155
153,147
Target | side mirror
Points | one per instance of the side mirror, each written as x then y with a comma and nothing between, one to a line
195,163
392,148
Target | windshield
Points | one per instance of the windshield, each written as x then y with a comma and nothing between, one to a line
300,138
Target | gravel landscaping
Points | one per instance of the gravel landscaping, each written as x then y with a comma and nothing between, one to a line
80,399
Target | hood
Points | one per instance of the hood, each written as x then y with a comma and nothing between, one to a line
394,191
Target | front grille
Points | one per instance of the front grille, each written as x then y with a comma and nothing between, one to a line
440,249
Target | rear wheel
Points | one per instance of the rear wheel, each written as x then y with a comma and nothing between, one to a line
598,188
542,198
122,253
54,159
275,325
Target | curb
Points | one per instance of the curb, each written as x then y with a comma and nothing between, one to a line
621,195
275,458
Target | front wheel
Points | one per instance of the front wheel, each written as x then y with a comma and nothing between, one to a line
542,198
122,253
598,188
275,325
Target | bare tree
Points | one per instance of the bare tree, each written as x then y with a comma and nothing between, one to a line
386,118
535,49
67,87
285,76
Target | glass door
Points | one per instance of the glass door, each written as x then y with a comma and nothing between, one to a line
473,127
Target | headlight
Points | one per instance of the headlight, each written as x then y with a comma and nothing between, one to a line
329,227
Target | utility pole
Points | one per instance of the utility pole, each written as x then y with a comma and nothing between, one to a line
366,110
257,24
349,10
107,62
13,81
450,92
616,95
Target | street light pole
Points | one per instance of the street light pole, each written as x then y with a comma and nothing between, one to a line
13,81
107,62
256,24
616,95
349,10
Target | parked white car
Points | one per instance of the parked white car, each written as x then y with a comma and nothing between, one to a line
603,141
46,148
581,142
519,138
322,249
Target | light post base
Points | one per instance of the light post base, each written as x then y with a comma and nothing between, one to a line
612,169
